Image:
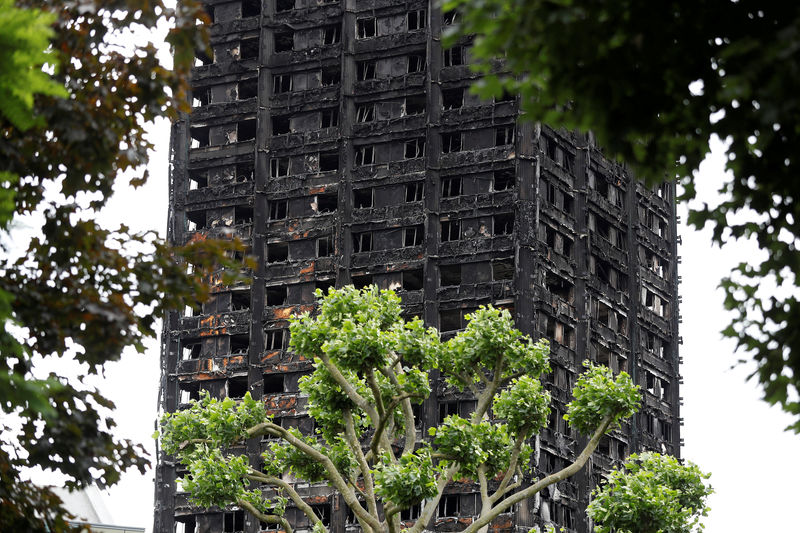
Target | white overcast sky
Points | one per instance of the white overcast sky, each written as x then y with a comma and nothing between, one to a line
728,430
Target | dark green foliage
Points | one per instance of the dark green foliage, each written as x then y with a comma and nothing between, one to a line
408,481
524,405
654,81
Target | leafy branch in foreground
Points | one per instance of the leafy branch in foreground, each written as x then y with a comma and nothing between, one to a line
370,368
653,493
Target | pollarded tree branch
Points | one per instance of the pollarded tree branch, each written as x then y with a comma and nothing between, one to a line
348,388
333,474
512,467
408,412
254,475
355,446
433,503
545,482
268,518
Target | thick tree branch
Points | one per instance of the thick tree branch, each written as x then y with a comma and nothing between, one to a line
547,481
410,430
348,388
333,475
254,475
433,503
268,518
355,446
512,467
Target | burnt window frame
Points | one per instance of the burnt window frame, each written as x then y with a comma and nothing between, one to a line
447,227
414,146
366,28
362,242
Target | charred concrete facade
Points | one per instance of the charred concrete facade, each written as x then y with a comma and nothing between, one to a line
339,140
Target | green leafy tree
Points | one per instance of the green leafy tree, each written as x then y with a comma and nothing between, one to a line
654,82
370,368
73,110
652,493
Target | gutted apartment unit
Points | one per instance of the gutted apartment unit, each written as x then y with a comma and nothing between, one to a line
341,143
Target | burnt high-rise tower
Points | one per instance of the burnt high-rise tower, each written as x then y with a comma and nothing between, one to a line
340,141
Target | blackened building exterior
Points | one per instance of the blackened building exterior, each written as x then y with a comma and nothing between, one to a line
340,141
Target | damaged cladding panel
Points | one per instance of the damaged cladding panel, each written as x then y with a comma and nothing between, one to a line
340,141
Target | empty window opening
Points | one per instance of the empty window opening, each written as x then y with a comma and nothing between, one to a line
281,125
325,203
197,180
365,113
330,75
240,300
246,130
365,155
237,387
248,48
414,148
278,209
503,269
273,384
365,70
504,179
503,224
449,275
201,58
233,522
277,252
330,117
284,41
450,17
416,63
244,172
416,20
413,236
569,204
411,513
362,242
276,295
281,83
454,56
251,8
559,287
448,408
191,349
361,280
331,34
363,198
200,136
449,505
328,161
504,135
201,96
366,28
451,230
452,142
323,512
451,187
453,98
273,339
414,191
196,220
412,279
284,5
325,246
185,524
189,392
242,215
414,105
247,89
